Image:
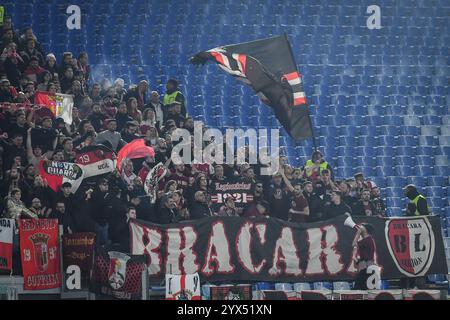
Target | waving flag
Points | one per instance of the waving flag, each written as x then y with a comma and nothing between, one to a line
56,173
96,160
60,104
268,66
134,150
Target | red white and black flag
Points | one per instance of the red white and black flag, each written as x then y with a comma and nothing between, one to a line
268,66
96,160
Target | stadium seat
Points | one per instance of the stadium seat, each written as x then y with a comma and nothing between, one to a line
378,98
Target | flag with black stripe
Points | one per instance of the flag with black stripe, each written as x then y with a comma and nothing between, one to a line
268,66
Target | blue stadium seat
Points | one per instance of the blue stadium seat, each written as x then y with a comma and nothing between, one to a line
424,170
379,98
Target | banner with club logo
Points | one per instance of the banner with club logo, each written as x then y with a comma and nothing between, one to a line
118,275
40,253
267,249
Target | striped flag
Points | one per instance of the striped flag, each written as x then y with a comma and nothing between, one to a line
268,66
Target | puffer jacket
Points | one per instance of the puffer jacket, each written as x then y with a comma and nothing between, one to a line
15,209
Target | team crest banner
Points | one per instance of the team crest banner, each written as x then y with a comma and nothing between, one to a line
267,249
118,275
39,253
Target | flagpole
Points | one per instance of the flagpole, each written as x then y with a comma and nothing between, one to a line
309,115
312,132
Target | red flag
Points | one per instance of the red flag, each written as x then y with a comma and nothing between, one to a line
59,104
133,150
40,254
46,99
56,173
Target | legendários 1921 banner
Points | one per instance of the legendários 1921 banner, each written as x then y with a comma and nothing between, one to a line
267,249
40,253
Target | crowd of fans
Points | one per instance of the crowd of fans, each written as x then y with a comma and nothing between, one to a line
110,114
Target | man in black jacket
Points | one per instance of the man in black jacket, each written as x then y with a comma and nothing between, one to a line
122,117
5,91
64,217
120,230
200,207
418,205
364,206
129,133
317,203
168,212
100,200
345,188
337,207
12,150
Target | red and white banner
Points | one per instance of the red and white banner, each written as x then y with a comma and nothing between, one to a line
96,160
183,287
6,243
60,104
40,254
